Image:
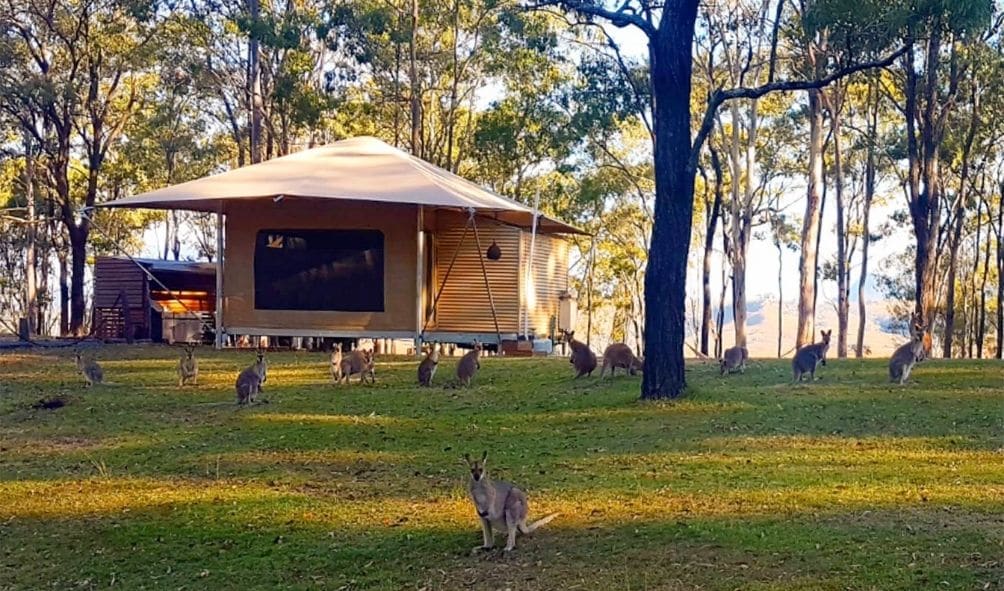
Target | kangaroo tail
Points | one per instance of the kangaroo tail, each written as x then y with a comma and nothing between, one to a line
538,523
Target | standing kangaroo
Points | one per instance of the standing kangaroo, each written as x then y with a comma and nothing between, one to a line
188,367
90,369
906,356
500,504
427,369
249,381
809,357
469,365
583,359
360,362
336,363
734,359
620,355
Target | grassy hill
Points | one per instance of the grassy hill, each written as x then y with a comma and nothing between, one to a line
748,483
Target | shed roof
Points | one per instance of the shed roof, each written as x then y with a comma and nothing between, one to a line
361,169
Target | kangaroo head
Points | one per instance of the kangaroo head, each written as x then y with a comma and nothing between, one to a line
477,467
826,336
189,351
478,346
337,348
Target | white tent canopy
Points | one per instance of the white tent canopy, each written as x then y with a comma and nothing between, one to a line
361,169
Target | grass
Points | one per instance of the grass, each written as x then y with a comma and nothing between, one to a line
748,483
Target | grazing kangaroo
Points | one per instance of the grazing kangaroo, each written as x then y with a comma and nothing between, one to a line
620,355
500,504
249,381
360,362
809,357
906,356
427,369
469,365
336,363
188,367
583,359
90,369
734,359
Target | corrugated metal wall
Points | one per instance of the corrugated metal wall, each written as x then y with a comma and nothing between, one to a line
550,278
463,305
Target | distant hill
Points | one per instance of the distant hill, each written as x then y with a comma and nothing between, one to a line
761,328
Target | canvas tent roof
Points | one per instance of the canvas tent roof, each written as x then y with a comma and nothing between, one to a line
361,168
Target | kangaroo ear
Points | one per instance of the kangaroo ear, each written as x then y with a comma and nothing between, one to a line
467,458
484,457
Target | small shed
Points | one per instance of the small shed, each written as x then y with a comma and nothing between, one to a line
150,299
358,239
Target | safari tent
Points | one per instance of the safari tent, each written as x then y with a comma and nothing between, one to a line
359,239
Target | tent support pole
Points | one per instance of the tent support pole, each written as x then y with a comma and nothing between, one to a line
218,341
439,292
488,287
419,275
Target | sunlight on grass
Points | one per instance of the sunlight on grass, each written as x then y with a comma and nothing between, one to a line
750,483
371,419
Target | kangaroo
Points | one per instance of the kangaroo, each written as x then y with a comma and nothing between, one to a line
469,365
809,357
583,359
249,381
188,367
500,504
906,356
359,362
734,359
336,363
427,369
620,355
90,369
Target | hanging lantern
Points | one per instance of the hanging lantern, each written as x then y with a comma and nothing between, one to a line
494,252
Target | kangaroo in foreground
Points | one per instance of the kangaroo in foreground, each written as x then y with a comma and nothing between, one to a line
906,356
500,504
427,369
809,357
336,363
90,369
469,365
188,367
734,359
583,359
360,362
249,381
620,355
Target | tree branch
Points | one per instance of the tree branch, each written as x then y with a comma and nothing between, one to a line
625,16
720,96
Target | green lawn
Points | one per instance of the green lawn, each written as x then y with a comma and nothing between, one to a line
748,483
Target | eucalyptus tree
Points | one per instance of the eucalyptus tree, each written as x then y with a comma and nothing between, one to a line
670,28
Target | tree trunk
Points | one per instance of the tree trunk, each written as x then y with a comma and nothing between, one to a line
254,84
981,328
810,224
960,213
670,62
736,230
1000,276
843,274
64,293
873,101
780,297
30,264
416,98
78,261
709,240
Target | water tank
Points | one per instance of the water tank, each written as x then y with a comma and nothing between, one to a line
568,310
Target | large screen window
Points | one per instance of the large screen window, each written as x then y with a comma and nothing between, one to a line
320,270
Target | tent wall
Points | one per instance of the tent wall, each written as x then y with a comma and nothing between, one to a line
463,306
549,280
399,225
